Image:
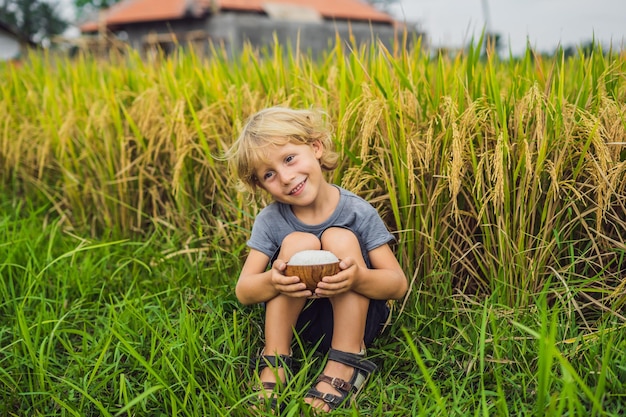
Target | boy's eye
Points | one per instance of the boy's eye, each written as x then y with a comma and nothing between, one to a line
267,175
289,158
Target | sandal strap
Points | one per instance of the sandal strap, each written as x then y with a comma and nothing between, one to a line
337,383
354,360
265,386
333,401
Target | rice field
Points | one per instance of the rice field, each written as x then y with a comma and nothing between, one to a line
122,231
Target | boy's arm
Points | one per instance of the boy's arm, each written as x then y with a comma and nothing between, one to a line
258,285
384,281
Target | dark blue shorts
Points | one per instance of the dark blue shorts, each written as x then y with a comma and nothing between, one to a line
315,323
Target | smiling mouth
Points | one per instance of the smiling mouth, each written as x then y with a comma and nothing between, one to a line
297,188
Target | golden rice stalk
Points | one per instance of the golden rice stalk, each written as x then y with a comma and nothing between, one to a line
455,162
415,144
372,109
498,172
598,160
529,114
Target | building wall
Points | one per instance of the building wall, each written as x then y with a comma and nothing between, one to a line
136,34
234,29
9,46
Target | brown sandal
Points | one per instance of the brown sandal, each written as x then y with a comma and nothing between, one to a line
362,370
264,361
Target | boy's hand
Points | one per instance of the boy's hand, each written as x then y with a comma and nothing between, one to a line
340,282
291,286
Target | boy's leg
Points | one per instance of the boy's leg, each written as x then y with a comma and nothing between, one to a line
349,313
350,308
349,317
281,312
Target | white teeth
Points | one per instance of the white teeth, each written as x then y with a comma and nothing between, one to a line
298,187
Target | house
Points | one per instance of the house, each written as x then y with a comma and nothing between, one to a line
312,25
12,44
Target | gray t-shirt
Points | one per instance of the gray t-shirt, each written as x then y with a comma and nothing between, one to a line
277,220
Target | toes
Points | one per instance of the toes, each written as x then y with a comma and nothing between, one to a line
318,404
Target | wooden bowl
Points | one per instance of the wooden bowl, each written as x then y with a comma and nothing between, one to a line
326,264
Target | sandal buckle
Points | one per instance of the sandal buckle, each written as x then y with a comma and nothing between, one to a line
332,400
340,384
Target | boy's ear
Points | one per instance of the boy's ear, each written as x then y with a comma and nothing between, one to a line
318,148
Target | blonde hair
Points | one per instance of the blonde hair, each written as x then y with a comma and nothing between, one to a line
277,126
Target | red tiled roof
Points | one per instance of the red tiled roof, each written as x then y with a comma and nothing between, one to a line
340,9
132,11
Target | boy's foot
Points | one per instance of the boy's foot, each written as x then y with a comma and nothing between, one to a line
343,378
272,377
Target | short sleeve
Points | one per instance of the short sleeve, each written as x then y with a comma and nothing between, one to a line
373,230
261,238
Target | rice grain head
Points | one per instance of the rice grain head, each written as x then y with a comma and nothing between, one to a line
372,112
456,163
498,172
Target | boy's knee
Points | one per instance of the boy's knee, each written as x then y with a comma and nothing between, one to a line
336,237
298,241
343,243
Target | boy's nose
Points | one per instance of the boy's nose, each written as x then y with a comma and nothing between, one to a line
286,176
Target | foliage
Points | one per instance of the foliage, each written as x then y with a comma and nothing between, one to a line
120,327
36,19
86,7
99,4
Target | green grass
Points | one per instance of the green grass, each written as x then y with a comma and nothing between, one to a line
122,327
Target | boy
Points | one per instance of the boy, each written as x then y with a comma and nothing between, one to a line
284,152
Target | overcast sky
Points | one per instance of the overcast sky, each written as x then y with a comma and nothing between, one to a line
543,23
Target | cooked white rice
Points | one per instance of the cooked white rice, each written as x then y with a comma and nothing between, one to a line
313,257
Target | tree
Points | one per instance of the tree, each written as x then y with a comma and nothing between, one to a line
37,20
98,4
86,7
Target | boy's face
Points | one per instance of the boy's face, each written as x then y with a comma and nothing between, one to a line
291,173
